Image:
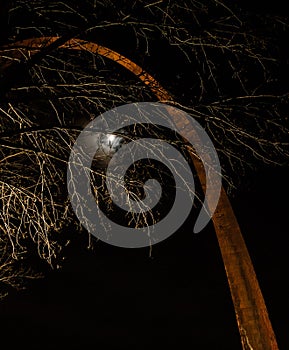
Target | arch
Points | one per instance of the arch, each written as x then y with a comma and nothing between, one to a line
251,313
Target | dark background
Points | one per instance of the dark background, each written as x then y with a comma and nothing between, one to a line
116,298
113,298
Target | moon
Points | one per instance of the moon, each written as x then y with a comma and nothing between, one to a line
107,146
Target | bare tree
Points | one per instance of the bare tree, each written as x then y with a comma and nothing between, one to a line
50,91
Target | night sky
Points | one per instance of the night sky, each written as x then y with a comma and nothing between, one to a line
117,298
177,295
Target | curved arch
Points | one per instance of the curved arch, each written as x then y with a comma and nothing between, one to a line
252,316
80,45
